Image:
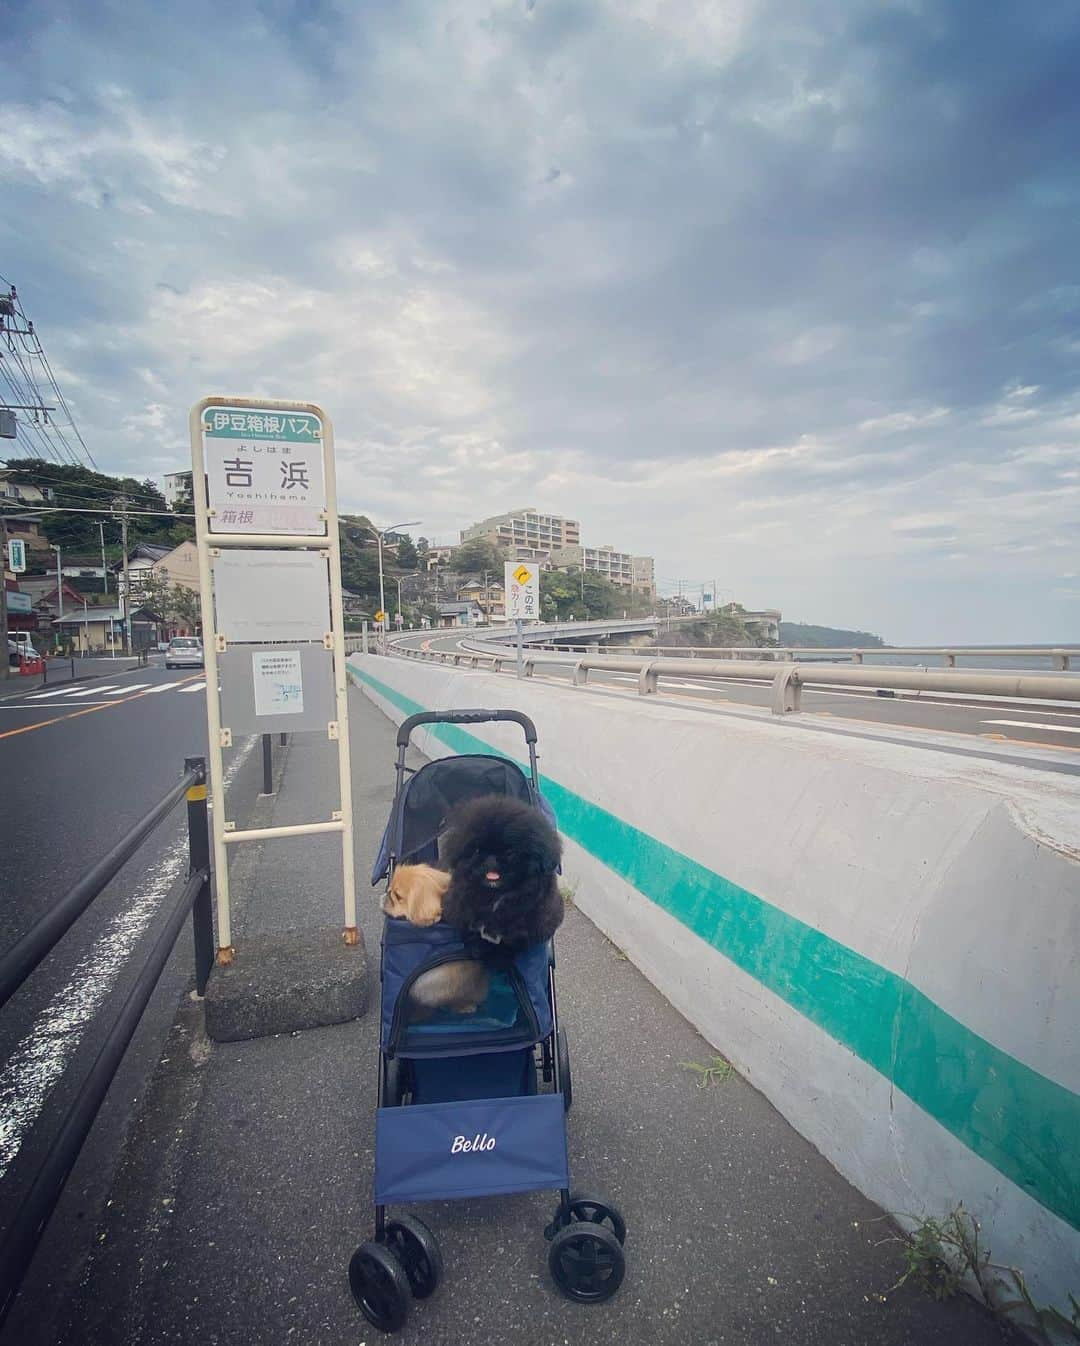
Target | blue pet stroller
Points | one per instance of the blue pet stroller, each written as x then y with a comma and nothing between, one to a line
469,1104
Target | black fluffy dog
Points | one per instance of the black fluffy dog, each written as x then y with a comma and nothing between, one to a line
502,856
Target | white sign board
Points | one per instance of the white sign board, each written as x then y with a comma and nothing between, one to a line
16,555
264,471
522,585
279,685
265,596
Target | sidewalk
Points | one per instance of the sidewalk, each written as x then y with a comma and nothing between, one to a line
248,1181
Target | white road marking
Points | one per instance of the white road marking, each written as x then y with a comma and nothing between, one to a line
95,691
40,696
163,687
1038,724
43,1054
195,687
133,687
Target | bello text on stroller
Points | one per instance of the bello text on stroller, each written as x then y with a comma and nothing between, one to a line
463,1146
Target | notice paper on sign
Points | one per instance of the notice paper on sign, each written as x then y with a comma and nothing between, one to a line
279,686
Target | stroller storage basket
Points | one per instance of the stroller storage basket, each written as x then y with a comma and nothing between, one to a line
515,1013
488,1147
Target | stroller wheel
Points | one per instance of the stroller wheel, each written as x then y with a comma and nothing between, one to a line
417,1249
586,1262
591,1210
594,1211
380,1286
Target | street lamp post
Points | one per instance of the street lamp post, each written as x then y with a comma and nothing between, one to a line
380,535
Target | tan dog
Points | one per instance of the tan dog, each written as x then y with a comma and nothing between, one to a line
416,894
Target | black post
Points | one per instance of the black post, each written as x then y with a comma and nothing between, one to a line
268,765
284,739
202,924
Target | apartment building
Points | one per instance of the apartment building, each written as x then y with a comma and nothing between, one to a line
643,569
178,486
526,533
613,565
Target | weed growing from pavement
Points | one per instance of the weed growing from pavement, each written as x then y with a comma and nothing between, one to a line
942,1256
718,1071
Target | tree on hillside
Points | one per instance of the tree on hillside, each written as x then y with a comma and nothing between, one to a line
826,637
582,595
478,555
89,495
405,554
173,603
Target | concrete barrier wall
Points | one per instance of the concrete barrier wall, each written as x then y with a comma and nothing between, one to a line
882,938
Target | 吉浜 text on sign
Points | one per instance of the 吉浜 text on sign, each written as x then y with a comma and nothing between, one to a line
264,471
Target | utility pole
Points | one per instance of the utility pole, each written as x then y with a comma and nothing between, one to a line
104,568
59,585
5,672
121,503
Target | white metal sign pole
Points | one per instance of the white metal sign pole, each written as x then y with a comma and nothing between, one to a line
341,683
213,709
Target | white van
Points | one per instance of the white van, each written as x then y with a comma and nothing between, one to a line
20,644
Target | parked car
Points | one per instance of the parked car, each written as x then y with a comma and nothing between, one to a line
20,645
184,652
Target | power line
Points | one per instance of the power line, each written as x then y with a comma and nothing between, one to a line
20,342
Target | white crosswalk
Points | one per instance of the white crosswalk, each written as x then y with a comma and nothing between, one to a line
106,691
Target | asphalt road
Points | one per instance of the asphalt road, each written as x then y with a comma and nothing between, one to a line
80,763
996,720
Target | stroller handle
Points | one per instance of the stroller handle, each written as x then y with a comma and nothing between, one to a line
464,717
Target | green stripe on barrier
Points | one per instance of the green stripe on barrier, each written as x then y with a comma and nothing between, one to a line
1025,1125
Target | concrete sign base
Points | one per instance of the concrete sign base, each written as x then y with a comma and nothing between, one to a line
284,983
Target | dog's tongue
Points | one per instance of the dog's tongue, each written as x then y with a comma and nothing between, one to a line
492,876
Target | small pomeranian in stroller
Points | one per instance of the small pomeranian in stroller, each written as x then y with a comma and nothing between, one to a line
474,1070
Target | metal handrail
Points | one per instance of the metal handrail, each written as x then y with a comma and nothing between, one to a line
787,679
22,958
23,1234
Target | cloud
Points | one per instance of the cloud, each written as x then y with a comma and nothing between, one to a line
752,286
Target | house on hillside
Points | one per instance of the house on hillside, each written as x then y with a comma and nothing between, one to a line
22,492
486,592
101,630
28,527
171,564
461,614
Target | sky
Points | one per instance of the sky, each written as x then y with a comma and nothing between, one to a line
782,292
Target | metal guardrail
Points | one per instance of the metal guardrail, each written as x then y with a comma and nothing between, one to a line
786,679
24,1232
1058,660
